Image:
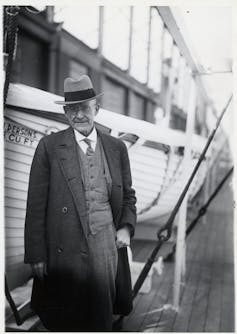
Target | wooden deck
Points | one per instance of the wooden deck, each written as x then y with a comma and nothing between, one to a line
207,298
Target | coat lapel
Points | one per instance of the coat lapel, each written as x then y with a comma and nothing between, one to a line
113,159
68,159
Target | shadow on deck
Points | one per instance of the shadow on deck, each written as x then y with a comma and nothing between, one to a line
207,297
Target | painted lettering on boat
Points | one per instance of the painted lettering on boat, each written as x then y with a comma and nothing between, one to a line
19,134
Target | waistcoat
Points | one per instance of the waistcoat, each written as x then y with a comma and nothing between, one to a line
97,187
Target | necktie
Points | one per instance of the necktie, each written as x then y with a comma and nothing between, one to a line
89,150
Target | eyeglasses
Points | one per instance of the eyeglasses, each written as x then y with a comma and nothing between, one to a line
75,108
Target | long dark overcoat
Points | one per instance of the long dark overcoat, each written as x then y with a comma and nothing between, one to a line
56,230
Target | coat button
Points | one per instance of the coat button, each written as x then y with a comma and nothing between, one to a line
60,250
64,209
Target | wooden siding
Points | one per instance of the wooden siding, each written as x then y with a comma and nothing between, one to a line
18,155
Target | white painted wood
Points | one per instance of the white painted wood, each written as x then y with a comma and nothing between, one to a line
138,169
181,233
151,191
12,212
18,157
19,148
14,222
16,175
157,164
36,122
15,194
18,166
14,242
146,178
16,184
14,232
15,203
14,251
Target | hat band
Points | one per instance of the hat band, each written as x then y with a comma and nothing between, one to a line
79,95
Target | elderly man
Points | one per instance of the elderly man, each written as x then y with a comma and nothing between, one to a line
80,216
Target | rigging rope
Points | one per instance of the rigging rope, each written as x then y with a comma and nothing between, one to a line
168,226
10,39
202,211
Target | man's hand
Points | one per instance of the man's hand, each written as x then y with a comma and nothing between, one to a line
123,237
39,270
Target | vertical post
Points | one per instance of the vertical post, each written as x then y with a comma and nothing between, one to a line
101,30
129,92
130,39
168,102
99,73
50,13
53,63
180,257
149,48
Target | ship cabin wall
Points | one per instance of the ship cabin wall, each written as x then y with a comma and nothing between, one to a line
47,54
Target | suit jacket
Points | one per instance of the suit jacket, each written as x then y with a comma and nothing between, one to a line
56,228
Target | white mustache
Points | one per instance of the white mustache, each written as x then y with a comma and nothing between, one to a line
76,120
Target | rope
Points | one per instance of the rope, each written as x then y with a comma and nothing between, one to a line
11,13
202,211
168,226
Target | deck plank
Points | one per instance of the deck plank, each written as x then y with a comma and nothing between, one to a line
200,301
228,307
207,298
195,243
195,247
213,315
160,295
140,256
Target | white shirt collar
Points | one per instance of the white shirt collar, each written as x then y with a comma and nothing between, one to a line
92,136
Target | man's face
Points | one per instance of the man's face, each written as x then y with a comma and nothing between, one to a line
81,116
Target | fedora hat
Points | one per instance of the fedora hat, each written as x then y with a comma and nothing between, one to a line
78,90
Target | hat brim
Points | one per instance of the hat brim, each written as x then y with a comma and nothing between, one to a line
73,102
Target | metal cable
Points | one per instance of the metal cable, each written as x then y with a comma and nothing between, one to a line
202,211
